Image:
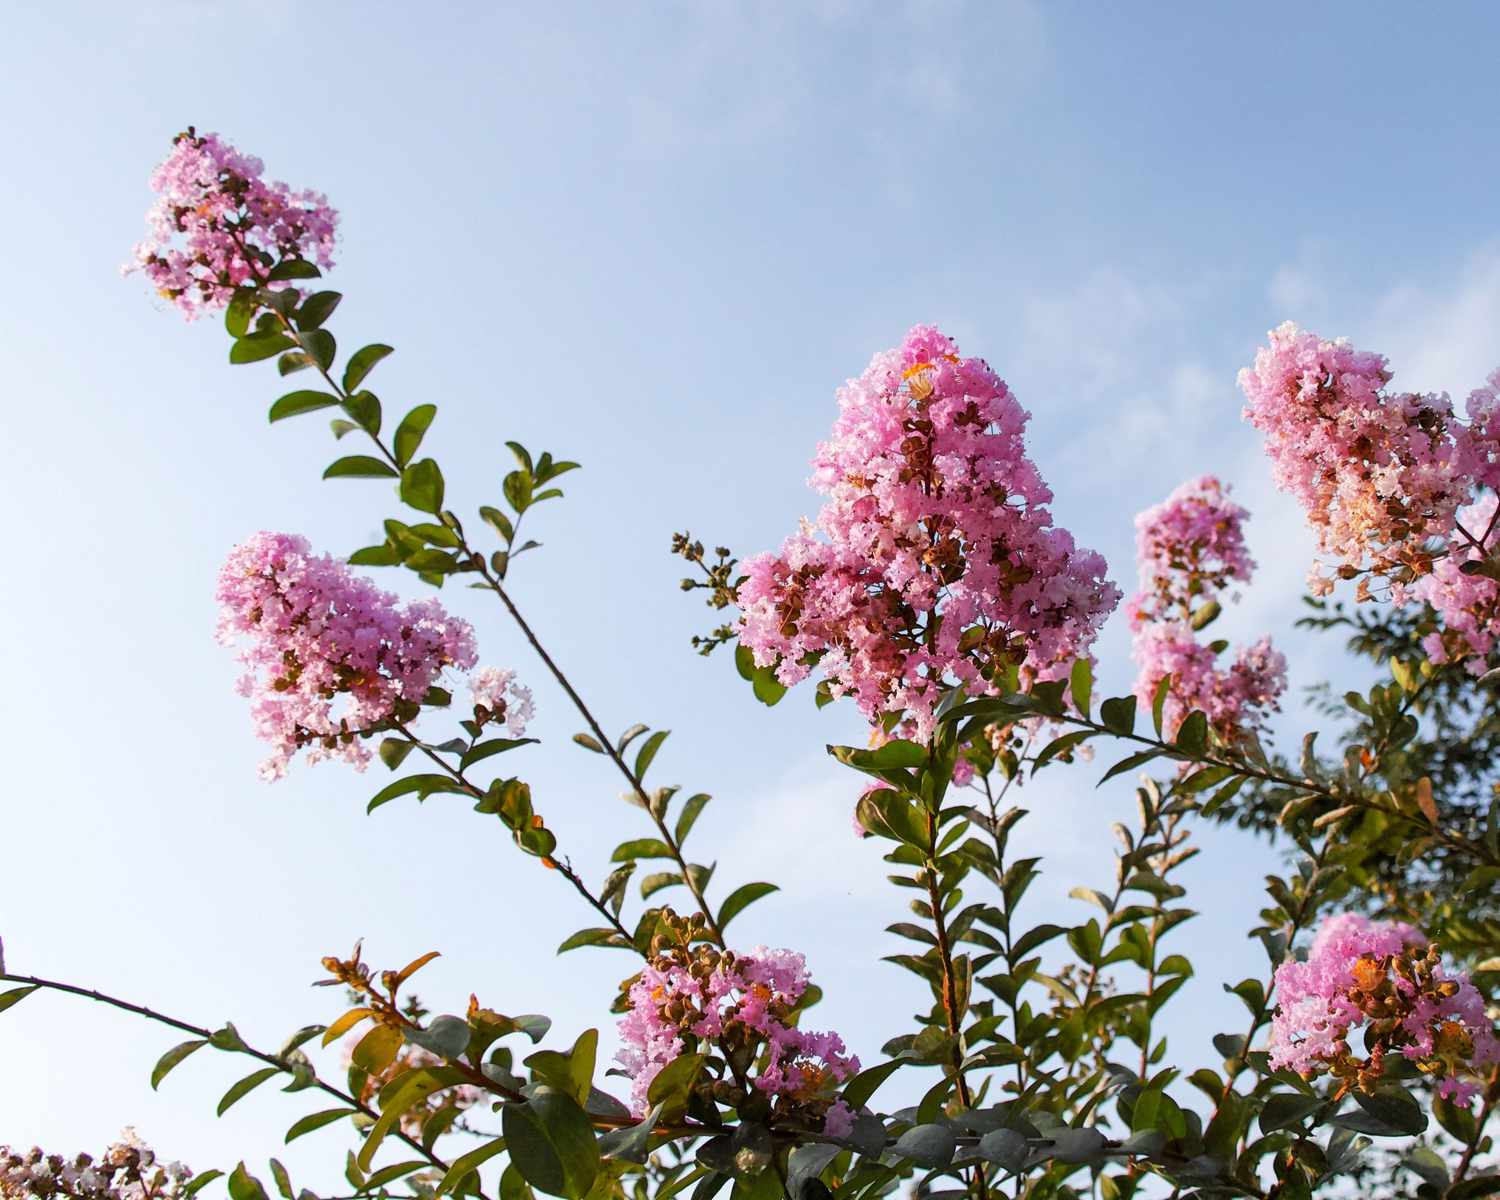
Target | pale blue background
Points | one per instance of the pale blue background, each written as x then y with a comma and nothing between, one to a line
655,239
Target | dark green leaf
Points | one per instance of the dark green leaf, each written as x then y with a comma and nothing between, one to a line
1118,714
15,996
317,1121
294,403
466,1163
741,898
258,346
422,486
171,1058
244,1186
359,466
551,1143
320,346
245,1086
316,309
362,363
409,433
293,268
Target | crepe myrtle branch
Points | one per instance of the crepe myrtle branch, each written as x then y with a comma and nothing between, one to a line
229,1039
473,560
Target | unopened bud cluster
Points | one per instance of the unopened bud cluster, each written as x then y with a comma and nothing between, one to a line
1385,978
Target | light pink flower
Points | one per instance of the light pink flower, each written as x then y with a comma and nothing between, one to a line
217,224
329,656
934,511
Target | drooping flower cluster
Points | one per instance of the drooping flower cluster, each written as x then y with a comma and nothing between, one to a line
745,1004
934,560
1383,975
1378,472
499,699
128,1170
217,224
1189,548
329,656
1468,604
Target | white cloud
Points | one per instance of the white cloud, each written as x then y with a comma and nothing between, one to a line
1443,337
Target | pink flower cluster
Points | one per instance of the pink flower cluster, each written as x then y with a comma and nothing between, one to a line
1189,548
498,698
1359,970
329,655
1235,701
1378,472
128,1170
934,560
738,1000
217,224
1468,604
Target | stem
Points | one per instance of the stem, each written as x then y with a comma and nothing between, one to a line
599,735
1491,1097
1238,766
561,866
477,562
206,1034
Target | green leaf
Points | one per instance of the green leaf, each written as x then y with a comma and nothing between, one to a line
551,1143
320,346
171,1058
857,1091
394,1171
364,407
424,785
647,753
422,486
1286,1109
498,520
377,1049
493,746
894,755
1128,764
587,937
641,848
295,403
316,309
409,1090
689,815
258,346
742,898
317,1120
359,466
1159,701
409,433
1192,734
293,268
245,1086
362,363
242,306
465,1163
244,1186
674,1083
1118,714
199,1182
928,1145
1081,683
16,995
393,751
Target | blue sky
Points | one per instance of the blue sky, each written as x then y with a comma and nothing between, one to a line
654,239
